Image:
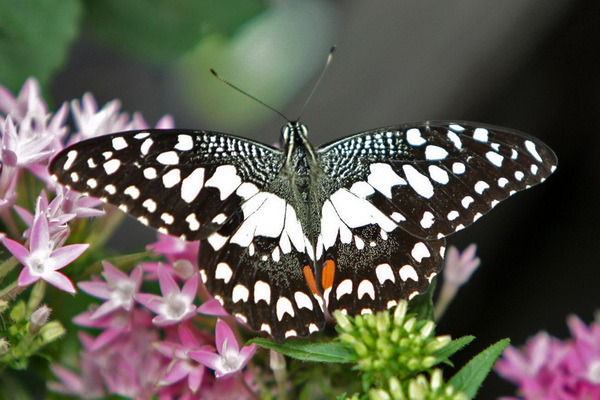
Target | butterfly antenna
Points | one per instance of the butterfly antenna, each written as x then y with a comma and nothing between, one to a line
329,58
219,77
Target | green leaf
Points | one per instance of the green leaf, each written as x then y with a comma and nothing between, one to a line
422,305
453,347
309,351
35,36
124,262
471,376
163,30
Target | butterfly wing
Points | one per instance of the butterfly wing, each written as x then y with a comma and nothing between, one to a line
413,184
211,187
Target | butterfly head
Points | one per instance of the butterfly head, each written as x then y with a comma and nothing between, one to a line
293,131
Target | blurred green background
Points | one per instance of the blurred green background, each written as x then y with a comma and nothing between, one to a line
524,64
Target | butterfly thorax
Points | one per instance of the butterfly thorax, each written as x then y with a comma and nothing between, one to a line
298,180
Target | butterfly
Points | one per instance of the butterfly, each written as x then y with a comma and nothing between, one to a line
287,233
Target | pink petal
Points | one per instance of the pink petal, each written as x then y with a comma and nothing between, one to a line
40,235
176,373
17,249
26,278
150,301
214,308
105,338
113,274
187,338
190,287
207,358
195,378
96,289
222,332
104,309
67,254
60,281
166,282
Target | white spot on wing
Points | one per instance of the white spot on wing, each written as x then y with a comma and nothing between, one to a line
481,186
435,153
184,143
150,205
532,149
408,272
71,156
150,173
283,306
193,222
216,240
168,158
420,251
302,300
414,138
452,215
427,220
458,168
223,272
366,288
419,182
383,178
145,147
438,174
455,140
132,192
480,134
111,166
494,158
240,292
225,179
171,178
384,273
396,216
262,291
119,143
345,287
192,185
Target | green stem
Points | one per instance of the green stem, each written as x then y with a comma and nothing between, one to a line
11,291
8,266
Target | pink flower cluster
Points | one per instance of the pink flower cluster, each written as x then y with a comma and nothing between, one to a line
551,369
148,345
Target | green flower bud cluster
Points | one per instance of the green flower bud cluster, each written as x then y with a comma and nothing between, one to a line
29,332
393,350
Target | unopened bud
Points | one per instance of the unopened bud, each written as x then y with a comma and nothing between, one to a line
184,269
39,318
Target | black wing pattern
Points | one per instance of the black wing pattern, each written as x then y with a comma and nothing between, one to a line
395,193
211,187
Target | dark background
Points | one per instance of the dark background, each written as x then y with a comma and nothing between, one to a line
529,65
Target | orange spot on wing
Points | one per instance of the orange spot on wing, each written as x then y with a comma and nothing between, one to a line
328,274
310,279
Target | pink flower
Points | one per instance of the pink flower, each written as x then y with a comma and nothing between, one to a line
119,290
175,249
458,268
114,325
175,305
548,368
182,365
230,358
42,260
91,122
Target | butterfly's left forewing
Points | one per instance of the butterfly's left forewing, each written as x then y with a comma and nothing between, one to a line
394,194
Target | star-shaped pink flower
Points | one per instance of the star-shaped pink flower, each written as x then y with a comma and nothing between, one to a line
41,260
175,305
119,290
230,358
